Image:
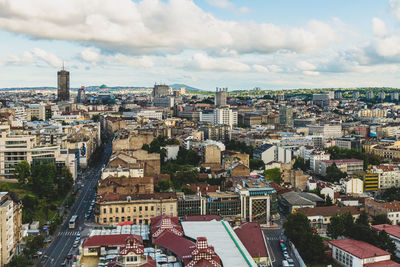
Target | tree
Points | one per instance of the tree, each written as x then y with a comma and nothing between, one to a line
64,181
162,185
380,219
299,231
328,201
33,244
96,117
336,227
386,243
334,174
42,180
274,175
257,164
300,163
19,261
22,171
363,218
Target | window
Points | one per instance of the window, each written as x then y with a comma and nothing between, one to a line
116,219
110,210
171,207
104,210
152,208
122,219
146,208
129,218
104,220
116,210
122,210
111,219
140,208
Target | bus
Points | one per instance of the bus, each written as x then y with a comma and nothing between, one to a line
73,221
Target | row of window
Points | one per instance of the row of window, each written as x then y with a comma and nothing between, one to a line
141,208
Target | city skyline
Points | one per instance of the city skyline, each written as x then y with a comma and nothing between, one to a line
204,44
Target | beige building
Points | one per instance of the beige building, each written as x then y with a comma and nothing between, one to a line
114,208
36,112
211,154
10,227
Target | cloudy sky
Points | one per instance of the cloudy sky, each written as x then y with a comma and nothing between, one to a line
202,43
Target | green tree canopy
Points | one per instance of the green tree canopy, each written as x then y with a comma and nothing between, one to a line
334,174
300,163
273,175
257,164
310,245
22,171
380,219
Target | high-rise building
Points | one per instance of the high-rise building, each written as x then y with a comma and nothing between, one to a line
161,90
381,95
370,95
220,97
394,96
356,95
286,116
81,95
63,85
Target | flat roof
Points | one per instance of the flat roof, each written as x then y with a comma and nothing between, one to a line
221,236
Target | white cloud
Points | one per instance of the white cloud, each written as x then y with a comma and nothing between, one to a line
395,8
154,26
90,55
306,66
260,68
311,73
49,58
379,27
226,4
203,62
37,56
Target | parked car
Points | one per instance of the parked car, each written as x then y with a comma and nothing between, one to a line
290,262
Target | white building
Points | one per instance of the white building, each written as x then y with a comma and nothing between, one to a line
354,186
172,151
318,156
326,130
36,112
389,175
354,253
223,115
394,233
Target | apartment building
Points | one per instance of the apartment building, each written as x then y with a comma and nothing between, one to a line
326,130
113,208
350,166
389,175
10,227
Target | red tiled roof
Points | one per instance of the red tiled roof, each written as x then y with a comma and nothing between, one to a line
109,240
360,249
252,238
393,230
388,263
198,218
328,211
179,245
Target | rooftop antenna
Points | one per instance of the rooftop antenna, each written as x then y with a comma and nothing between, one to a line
63,65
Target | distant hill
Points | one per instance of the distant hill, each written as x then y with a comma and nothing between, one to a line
177,86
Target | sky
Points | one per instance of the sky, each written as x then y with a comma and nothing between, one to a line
202,43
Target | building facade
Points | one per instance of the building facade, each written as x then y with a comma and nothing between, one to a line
63,85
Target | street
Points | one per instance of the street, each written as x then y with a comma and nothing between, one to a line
272,236
58,250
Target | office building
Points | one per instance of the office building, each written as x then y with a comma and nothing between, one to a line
81,97
63,85
161,90
220,97
286,116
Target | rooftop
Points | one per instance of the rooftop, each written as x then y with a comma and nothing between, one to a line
359,249
252,238
226,243
393,230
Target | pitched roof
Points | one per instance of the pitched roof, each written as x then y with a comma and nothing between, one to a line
252,238
179,245
360,249
388,263
393,230
328,211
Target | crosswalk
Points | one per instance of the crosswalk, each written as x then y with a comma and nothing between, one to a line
68,233
272,238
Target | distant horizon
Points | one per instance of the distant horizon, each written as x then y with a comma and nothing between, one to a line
275,45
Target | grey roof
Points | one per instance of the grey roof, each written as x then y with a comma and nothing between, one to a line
294,198
262,148
311,196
